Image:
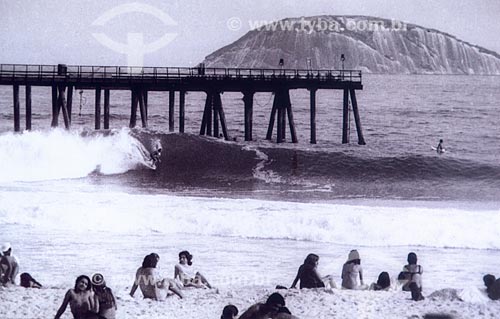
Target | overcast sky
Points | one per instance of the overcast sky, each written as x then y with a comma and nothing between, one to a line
91,32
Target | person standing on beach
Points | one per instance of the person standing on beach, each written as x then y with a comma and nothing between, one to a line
351,270
105,297
309,276
9,265
152,285
81,299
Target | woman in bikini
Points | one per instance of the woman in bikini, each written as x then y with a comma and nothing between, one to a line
185,273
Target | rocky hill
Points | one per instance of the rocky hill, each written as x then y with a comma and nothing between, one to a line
370,44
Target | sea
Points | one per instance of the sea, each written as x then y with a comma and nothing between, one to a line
80,201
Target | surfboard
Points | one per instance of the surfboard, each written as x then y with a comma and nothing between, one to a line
440,151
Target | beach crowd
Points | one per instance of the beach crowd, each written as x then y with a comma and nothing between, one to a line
90,298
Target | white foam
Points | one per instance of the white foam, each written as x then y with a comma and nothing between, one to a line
353,224
58,154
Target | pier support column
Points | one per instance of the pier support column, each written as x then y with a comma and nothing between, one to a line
345,118
69,101
55,109
361,140
106,109
171,110
312,93
282,105
248,100
58,104
133,108
98,108
142,107
28,107
213,105
17,108
61,104
182,101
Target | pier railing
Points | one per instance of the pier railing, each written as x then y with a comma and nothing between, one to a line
41,72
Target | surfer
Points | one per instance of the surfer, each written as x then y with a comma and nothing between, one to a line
440,148
156,155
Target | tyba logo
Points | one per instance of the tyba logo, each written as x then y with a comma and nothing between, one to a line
135,48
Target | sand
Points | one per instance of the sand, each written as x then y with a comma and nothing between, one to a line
18,302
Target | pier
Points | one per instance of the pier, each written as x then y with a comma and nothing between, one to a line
64,79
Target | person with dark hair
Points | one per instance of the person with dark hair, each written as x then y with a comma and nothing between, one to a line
152,285
492,286
81,299
105,297
29,282
270,309
351,270
383,282
186,274
411,277
229,312
309,276
9,265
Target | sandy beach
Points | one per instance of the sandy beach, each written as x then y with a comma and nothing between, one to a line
18,302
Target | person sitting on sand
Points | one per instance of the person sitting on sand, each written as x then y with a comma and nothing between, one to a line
229,312
351,270
411,277
152,285
82,301
383,282
29,282
105,297
309,276
492,286
185,273
9,265
270,309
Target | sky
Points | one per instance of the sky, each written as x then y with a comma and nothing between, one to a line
183,32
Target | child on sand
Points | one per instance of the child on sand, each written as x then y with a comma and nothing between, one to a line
81,299
411,277
186,274
152,285
351,271
105,297
309,276
492,286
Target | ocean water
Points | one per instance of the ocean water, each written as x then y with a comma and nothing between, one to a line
83,201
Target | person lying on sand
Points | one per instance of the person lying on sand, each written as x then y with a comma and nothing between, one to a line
229,312
105,297
81,299
186,274
29,282
152,285
309,276
351,271
273,308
